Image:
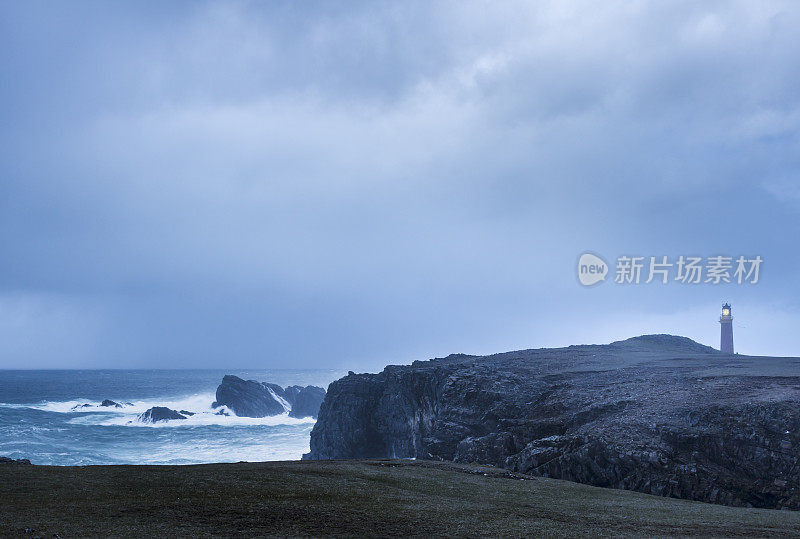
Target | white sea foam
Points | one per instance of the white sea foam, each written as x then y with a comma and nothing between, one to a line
199,419
199,403
252,449
55,406
284,402
49,429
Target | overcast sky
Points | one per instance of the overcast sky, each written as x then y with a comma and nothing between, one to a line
347,185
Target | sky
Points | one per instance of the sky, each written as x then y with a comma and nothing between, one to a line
347,185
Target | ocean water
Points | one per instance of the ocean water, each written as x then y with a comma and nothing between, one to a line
38,419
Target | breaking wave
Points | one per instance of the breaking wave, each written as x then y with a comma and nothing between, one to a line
199,404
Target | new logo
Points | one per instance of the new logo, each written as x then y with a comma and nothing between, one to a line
591,269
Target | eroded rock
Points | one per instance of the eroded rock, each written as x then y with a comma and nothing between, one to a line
657,414
159,413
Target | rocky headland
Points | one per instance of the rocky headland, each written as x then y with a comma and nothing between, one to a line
657,414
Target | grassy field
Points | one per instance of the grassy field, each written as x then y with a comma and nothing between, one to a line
381,497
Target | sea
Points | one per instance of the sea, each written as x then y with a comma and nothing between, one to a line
43,417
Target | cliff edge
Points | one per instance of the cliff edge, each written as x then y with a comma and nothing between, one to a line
658,414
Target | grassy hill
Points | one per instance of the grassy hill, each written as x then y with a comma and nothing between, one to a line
376,497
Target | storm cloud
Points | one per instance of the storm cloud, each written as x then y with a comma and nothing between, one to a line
350,184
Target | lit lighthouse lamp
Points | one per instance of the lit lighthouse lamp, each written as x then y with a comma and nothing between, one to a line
726,330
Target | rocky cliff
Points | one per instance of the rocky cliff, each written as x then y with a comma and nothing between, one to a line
657,414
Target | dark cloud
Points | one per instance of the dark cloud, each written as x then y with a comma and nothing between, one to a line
350,184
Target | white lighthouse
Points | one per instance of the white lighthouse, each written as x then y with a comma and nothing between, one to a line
726,330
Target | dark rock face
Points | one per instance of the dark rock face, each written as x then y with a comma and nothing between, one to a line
291,393
657,414
248,398
159,413
307,401
278,390
110,403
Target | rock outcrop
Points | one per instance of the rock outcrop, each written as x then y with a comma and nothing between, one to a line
248,398
107,403
306,402
291,392
110,404
159,413
657,414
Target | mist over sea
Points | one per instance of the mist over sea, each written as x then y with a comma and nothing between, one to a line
38,419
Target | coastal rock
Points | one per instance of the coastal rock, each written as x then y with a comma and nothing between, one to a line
307,401
107,403
291,393
278,390
159,413
248,398
658,414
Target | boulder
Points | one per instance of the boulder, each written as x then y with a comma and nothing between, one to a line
159,413
248,398
109,403
307,402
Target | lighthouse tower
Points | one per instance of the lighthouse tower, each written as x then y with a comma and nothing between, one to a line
726,330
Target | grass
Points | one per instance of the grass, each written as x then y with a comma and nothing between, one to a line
380,497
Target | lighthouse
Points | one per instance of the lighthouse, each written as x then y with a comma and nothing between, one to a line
726,330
